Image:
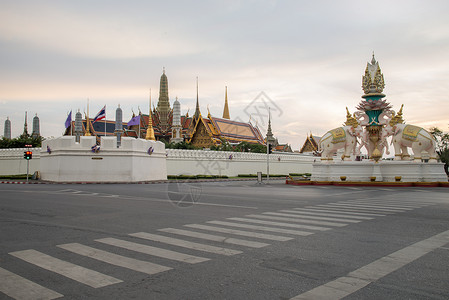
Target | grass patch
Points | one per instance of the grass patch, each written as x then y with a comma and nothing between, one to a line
263,175
18,176
196,176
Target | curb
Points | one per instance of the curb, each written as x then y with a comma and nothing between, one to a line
138,182
369,183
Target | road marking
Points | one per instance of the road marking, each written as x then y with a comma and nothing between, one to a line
215,238
241,232
380,204
18,287
164,253
279,223
114,259
69,270
312,217
377,207
358,279
285,219
325,214
352,208
263,228
340,211
388,202
185,244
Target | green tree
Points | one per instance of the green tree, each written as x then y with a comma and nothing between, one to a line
21,141
180,145
442,146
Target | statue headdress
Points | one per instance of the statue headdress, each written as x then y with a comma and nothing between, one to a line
397,119
350,120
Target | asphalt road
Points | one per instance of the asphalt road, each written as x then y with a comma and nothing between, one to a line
223,240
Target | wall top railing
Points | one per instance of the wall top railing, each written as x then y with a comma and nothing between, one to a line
14,153
210,154
18,152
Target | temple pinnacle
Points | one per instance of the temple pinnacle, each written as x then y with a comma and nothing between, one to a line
226,108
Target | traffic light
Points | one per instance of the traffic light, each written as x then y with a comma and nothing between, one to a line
270,148
28,155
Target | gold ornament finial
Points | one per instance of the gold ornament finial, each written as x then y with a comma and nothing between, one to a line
87,121
397,119
350,120
150,131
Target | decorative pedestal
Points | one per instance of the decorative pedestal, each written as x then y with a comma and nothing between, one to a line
64,160
384,171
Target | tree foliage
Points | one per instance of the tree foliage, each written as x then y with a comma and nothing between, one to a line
21,141
180,145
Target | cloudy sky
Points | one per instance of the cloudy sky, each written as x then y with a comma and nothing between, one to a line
308,57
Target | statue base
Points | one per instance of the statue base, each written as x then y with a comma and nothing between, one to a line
382,171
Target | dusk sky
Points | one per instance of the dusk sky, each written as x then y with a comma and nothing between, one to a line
308,57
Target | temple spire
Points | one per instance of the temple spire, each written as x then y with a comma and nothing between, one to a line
270,138
226,108
163,105
150,130
197,110
25,126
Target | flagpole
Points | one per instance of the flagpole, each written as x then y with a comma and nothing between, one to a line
105,120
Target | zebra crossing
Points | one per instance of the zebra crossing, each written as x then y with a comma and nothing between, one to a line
204,242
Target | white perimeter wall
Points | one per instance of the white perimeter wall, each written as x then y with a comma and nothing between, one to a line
195,162
188,162
13,163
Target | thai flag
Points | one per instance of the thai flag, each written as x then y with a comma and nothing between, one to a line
101,115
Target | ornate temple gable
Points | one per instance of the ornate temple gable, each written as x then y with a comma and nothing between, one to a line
310,144
201,136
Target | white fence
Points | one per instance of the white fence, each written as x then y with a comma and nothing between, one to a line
188,162
13,163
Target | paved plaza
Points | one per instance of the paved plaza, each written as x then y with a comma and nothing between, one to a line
223,240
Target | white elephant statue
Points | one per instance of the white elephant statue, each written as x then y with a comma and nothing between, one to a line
342,137
410,136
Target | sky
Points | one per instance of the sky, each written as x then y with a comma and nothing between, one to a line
303,59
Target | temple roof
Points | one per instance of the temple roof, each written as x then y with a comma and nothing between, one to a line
310,144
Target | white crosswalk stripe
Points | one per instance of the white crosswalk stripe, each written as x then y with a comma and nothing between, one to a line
353,208
185,244
375,207
326,214
279,224
18,287
312,217
262,228
383,205
340,211
215,238
114,259
159,252
296,220
69,270
240,232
